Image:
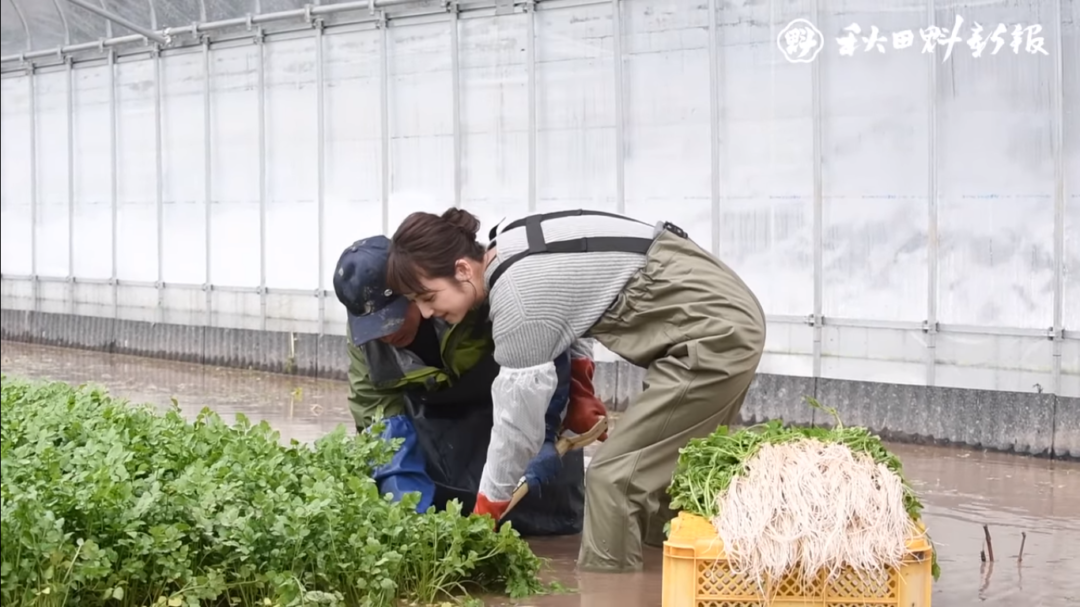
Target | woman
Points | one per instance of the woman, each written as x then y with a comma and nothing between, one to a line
648,293
430,383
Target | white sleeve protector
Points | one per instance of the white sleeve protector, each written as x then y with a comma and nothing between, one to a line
520,398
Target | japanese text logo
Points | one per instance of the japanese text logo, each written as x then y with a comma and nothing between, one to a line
800,41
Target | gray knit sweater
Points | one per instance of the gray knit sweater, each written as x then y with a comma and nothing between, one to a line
539,307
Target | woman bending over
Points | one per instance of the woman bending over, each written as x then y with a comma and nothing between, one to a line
647,293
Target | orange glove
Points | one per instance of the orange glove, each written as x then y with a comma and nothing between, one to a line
493,509
584,409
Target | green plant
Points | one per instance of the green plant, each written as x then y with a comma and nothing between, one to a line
109,503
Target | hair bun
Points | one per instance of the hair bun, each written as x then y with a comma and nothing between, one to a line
462,220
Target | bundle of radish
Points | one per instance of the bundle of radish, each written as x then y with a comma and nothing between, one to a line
788,500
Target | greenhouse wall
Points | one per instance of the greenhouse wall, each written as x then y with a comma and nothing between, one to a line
907,209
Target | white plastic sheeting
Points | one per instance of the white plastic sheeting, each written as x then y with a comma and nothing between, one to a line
904,216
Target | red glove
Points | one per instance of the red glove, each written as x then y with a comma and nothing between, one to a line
493,509
584,409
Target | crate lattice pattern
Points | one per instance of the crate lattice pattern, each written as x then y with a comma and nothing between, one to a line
848,589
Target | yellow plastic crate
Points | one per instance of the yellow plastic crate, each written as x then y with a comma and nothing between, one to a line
697,574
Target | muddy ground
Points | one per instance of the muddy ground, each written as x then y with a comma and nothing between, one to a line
962,489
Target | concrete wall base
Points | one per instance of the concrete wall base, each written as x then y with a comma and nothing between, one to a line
1042,425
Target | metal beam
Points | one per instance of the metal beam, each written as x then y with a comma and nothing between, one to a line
159,189
1059,198
819,205
117,19
455,94
620,107
320,155
384,120
207,192
530,67
114,186
262,175
203,27
31,83
70,109
932,326
714,124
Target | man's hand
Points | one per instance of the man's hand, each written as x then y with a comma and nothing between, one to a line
543,468
584,409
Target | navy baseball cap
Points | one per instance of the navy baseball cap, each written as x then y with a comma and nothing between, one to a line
360,284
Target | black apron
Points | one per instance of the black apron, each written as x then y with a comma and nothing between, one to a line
456,448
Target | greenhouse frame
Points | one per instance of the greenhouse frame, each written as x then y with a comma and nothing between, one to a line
897,180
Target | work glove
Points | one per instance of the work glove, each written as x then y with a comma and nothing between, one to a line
493,509
584,409
543,468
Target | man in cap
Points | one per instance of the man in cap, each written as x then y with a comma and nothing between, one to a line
430,383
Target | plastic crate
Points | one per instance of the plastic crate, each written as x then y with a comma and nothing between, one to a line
697,574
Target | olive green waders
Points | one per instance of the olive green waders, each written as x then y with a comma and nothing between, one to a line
700,332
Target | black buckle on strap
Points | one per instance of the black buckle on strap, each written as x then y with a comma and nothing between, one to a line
674,229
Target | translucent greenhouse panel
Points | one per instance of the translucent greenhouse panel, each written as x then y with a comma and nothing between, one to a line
50,111
789,349
94,176
666,91
217,10
12,33
767,172
183,147
996,213
81,24
234,158
48,28
175,13
766,160
296,312
875,158
136,302
421,120
274,6
494,118
15,212
889,356
235,310
991,362
575,109
16,294
353,196
1070,368
292,170
334,317
137,221
139,12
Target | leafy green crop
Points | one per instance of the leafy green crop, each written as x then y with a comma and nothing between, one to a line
707,465
107,503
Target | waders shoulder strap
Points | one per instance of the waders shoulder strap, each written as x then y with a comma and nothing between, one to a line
596,244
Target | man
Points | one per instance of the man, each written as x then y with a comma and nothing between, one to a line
430,383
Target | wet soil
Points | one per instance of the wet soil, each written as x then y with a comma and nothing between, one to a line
962,489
